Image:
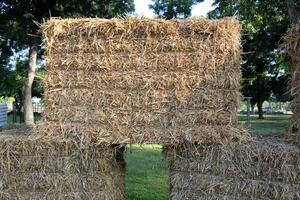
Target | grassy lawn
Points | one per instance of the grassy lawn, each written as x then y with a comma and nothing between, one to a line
147,174
270,124
10,118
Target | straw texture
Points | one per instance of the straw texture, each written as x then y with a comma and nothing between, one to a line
33,168
292,46
265,169
138,80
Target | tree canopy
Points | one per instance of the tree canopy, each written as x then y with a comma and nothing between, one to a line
264,69
173,8
17,27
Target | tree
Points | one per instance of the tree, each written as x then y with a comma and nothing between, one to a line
18,30
293,7
173,8
264,23
15,80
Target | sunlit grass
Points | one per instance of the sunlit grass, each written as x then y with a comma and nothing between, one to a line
146,173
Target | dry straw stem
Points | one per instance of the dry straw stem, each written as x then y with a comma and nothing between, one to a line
35,168
264,169
146,81
87,133
132,35
292,40
138,80
154,100
292,46
130,117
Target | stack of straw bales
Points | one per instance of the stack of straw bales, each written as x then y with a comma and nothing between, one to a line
137,80
253,171
34,168
292,45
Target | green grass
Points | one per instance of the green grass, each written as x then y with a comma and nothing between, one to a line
273,124
10,119
254,118
37,117
146,173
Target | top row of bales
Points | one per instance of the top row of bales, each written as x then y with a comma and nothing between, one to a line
138,80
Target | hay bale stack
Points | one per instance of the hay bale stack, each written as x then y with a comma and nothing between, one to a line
138,80
257,170
292,45
33,168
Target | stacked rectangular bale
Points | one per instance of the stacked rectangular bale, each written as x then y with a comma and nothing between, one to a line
229,167
292,45
264,169
34,168
138,80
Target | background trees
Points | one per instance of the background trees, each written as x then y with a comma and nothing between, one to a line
265,71
173,8
293,7
18,32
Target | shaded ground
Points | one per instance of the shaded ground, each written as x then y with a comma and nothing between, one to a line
37,117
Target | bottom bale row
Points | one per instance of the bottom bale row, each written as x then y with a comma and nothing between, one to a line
35,168
263,169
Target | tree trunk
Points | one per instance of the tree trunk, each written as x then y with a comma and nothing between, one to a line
260,110
27,103
293,11
252,108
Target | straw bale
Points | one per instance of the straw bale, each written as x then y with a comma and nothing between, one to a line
58,196
36,168
86,133
139,99
139,46
138,80
139,34
130,117
292,46
262,169
206,185
147,80
151,62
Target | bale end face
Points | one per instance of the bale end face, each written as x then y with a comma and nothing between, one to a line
258,170
138,80
35,168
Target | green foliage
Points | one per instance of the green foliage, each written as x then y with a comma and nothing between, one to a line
17,17
15,79
93,8
264,22
173,8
